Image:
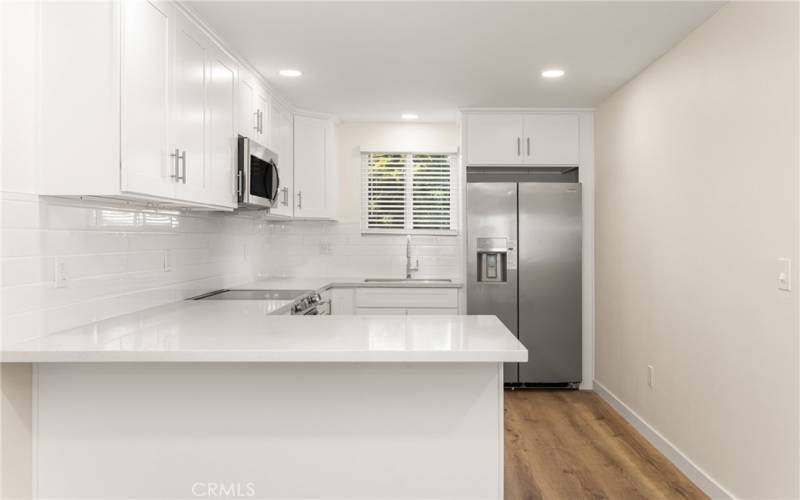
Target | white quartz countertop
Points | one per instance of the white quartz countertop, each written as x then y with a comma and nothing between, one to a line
241,331
341,282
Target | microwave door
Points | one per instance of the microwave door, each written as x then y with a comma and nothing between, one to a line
258,187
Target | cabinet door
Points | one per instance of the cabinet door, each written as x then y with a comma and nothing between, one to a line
221,127
190,75
145,101
311,141
552,139
261,106
248,120
281,140
494,139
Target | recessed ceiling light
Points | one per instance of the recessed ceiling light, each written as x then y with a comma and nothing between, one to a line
291,72
553,73
409,116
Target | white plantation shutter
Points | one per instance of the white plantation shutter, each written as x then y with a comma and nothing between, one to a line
408,193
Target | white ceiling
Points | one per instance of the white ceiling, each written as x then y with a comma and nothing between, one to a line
375,60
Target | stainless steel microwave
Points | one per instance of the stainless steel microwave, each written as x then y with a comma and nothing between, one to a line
258,180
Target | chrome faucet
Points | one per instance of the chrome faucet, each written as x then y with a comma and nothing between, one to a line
409,268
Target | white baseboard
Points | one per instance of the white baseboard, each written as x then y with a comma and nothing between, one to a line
697,475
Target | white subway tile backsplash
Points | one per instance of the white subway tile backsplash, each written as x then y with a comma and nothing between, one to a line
333,249
114,258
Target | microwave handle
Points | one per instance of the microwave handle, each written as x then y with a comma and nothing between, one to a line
277,181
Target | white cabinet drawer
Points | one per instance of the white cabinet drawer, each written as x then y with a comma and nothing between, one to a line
438,311
380,311
428,298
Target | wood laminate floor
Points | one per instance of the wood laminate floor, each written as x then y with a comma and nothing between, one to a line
570,445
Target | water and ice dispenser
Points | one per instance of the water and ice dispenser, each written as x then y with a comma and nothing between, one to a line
493,259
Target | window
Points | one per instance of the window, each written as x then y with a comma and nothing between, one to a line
408,193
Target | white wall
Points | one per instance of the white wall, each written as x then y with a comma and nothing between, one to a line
696,199
353,136
338,249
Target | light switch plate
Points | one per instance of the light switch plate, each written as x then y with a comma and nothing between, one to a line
785,274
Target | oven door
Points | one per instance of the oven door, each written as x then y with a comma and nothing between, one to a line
259,180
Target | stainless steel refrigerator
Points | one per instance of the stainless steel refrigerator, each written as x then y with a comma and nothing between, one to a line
524,266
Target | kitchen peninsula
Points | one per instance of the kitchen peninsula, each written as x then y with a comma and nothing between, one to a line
151,404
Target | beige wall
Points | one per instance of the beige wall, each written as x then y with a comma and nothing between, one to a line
351,137
697,198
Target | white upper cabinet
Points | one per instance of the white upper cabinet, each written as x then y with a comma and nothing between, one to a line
221,129
142,104
247,117
189,119
552,139
261,107
494,139
314,168
281,141
147,167
515,138
169,133
253,109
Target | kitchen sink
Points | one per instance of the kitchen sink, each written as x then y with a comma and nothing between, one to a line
407,280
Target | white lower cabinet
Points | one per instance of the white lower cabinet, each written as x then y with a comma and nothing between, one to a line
380,311
406,301
342,301
394,301
153,121
432,311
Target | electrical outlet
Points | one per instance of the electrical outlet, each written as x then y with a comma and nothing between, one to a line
651,376
60,279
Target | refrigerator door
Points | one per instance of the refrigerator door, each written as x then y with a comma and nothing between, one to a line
491,225
550,281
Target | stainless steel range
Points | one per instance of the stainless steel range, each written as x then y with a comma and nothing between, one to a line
299,302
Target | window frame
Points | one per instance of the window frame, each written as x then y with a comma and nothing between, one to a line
408,210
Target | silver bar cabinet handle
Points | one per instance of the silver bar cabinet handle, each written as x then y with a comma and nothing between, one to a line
529,146
519,147
174,157
182,157
299,199
255,117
